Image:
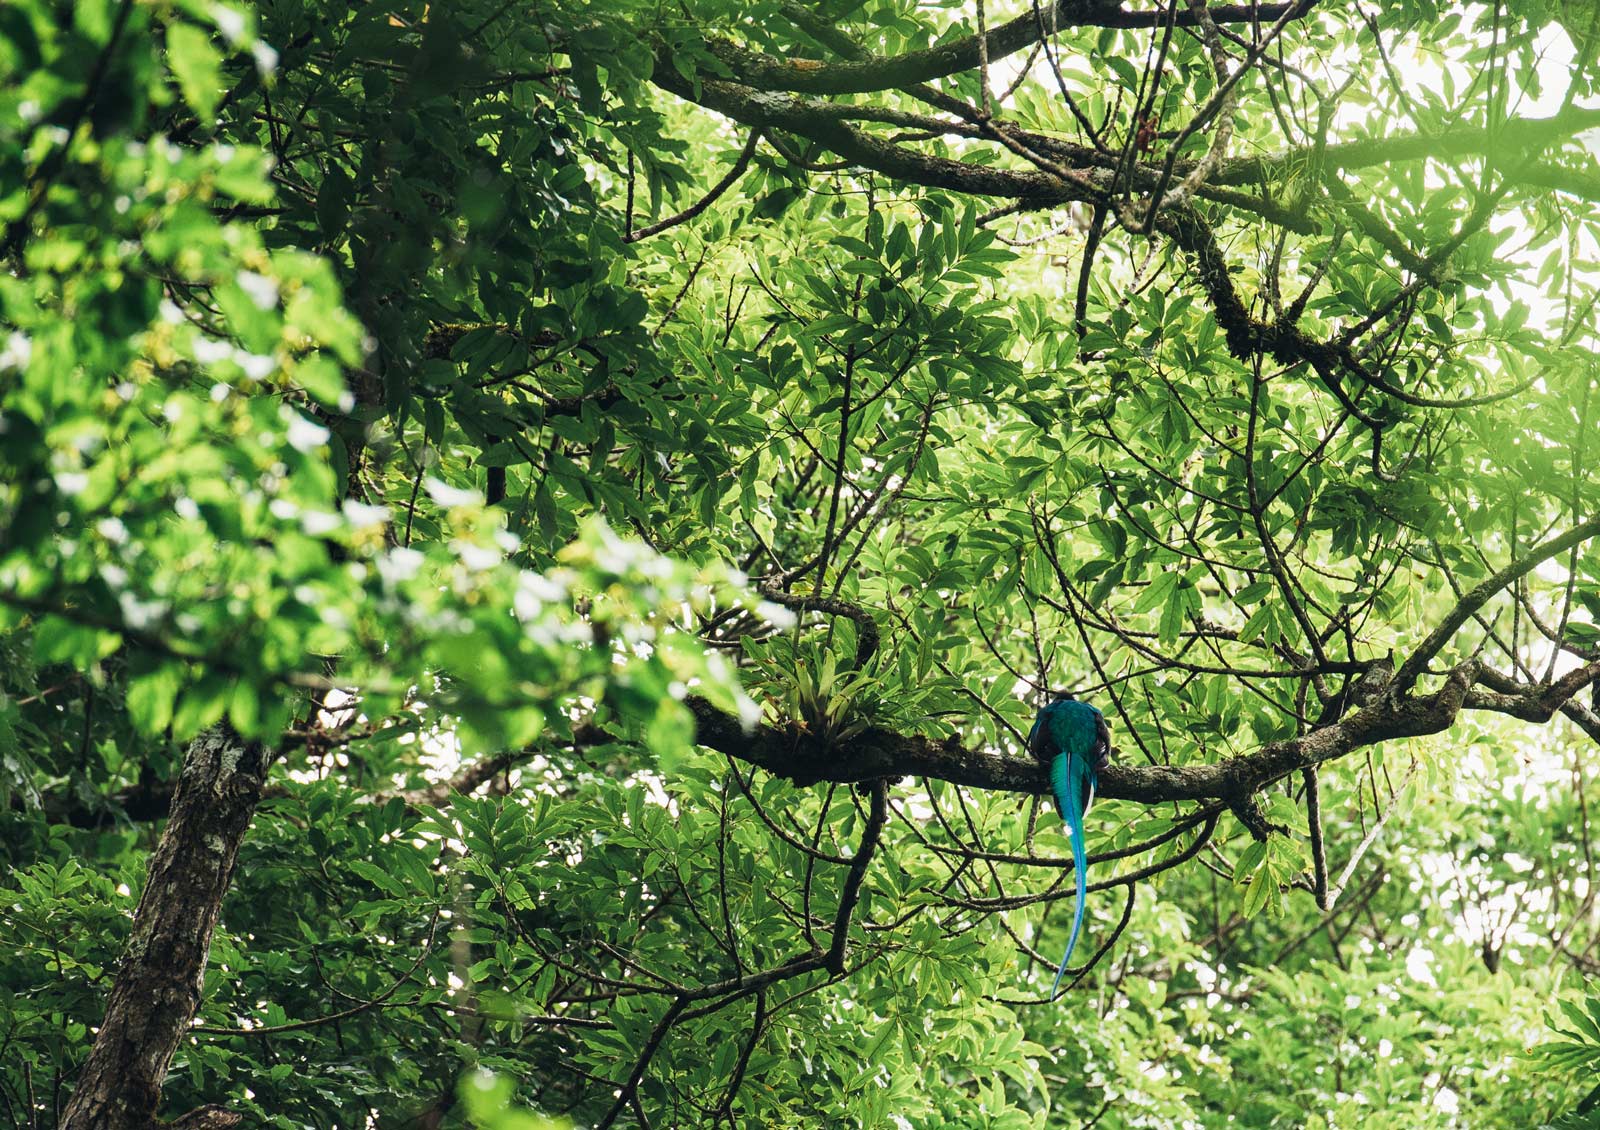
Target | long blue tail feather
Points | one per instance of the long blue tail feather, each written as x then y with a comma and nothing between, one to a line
1062,784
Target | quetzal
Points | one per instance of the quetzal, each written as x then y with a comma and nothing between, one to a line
1072,738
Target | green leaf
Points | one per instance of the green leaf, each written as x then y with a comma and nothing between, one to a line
197,65
378,877
1157,593
333,201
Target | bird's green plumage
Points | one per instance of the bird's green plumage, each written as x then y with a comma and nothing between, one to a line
1071,737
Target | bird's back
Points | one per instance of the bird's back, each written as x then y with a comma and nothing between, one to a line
1070,727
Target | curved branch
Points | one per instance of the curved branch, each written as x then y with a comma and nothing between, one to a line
733,174
1479,595
1504,695
333,1018
866,627
877,816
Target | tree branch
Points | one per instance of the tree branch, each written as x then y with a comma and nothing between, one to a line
740,164
875,73
879,753
1518,136
866,627
1477,596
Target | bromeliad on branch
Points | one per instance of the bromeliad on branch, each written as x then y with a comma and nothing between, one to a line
1072,738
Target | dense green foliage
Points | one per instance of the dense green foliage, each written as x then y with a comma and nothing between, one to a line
638,467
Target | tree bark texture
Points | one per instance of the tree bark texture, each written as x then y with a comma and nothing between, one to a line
159,978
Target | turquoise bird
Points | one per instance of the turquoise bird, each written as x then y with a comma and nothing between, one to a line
1072,738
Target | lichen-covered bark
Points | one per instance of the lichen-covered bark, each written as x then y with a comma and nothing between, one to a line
1384,714
158,981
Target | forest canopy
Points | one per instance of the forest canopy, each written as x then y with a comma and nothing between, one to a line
533,536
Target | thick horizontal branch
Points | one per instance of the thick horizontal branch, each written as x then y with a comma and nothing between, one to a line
763,95
879,753
821,122
766,72
1574,182
1088,174
1502,694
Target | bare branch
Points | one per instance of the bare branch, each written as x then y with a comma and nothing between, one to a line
733,174
1480,594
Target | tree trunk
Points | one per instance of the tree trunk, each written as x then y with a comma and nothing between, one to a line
161,973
